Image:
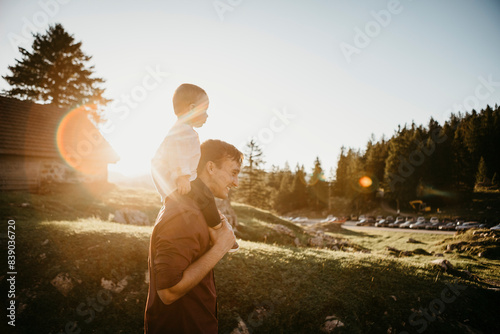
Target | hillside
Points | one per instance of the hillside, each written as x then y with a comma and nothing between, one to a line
77,270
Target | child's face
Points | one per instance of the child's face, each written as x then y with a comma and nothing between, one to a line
198,114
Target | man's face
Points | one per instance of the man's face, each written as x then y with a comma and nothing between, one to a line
224,178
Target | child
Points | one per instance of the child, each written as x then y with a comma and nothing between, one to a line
173,167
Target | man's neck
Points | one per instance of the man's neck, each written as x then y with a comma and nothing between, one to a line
206,180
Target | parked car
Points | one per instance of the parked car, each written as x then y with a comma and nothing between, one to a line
434,220
397,222
433,226
385,222
366,222
469,225
419,225
379,218
450,226
421,219
330,218
406,224
495,228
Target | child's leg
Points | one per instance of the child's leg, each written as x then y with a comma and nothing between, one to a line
206,201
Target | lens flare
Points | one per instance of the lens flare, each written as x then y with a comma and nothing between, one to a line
365,181
78,141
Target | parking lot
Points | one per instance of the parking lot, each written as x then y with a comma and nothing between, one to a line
351,225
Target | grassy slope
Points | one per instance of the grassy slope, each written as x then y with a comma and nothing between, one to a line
274,287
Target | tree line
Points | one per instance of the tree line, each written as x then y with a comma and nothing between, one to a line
440,164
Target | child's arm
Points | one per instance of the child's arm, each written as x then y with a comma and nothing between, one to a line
183,184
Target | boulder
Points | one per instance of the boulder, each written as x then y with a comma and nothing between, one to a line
331,323
282,229
442,263
131,216
62,282
224,205
316,241
242,327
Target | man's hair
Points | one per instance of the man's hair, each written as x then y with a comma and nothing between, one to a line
216,151
184,96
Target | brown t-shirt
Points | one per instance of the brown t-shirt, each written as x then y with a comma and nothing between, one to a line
180,236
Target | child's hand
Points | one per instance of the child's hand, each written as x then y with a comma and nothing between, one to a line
183,184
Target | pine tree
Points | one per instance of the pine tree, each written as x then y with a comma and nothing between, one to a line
282,201
482,173
318,188
252,189
298,192
56,72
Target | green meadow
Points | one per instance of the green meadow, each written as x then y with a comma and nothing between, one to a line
275,283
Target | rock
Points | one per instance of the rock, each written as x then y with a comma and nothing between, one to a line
131,216
420,251
282,229
444,264
110,285
297,242
413,241
224,205
62,282
331,322
316,241
439,254
242,327
46,241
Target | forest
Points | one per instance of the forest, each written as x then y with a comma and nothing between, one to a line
439,164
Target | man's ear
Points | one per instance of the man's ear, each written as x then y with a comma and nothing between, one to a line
210,167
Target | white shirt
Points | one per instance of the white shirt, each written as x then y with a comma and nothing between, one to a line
178,155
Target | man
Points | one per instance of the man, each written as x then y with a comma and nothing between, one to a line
183,251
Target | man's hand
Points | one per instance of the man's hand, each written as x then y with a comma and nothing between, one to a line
183,185
222,238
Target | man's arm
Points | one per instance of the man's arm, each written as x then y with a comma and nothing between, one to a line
223,240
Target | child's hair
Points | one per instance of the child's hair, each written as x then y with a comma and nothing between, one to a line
186,95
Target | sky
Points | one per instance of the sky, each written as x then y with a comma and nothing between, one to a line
302,78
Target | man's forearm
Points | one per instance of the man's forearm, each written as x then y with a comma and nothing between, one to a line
192,275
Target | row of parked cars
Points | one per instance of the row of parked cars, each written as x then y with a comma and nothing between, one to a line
420,223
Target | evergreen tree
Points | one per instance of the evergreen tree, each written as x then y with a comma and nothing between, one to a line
282,201
298,193
482,173
56,72
318,188
252,189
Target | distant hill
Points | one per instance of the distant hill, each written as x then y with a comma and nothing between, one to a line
141,181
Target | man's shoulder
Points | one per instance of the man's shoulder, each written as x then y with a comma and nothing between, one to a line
176,212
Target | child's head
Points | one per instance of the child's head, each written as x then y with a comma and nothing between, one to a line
191,103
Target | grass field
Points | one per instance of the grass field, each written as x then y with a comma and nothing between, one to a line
269,286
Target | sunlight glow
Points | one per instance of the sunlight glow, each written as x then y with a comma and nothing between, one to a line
77,139
365,182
